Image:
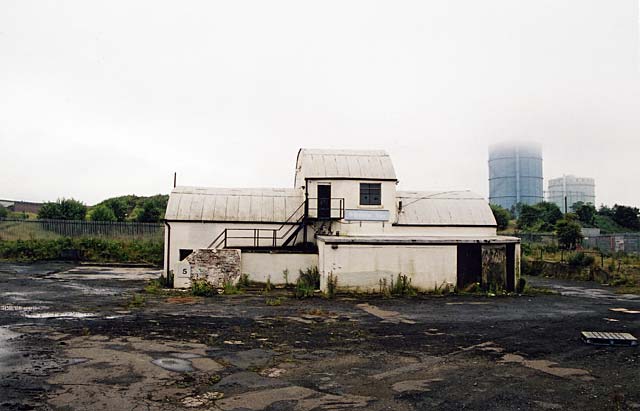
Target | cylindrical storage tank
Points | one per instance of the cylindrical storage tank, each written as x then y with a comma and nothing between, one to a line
515,174
575,189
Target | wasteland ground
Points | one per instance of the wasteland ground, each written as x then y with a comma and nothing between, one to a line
76,338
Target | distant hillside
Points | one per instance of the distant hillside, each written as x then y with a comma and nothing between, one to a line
135,208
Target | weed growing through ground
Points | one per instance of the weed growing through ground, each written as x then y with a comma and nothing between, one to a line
229,288
137,301
268,287
332,285
401,287
285,275
243,281
201,287
311,277
273,301
156,286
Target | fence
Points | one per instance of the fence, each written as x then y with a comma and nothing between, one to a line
51,229
605,243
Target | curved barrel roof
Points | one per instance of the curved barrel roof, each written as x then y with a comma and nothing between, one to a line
267,205
344,164
446,208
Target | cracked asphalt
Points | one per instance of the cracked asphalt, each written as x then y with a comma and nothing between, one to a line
70,339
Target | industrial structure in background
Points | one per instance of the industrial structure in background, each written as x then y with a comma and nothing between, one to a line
567,190
344,217
515,174
21,206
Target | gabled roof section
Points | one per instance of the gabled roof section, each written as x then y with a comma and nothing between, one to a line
263,205
343,164
444,208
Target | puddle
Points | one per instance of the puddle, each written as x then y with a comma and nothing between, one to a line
11,307
624,310
184,355
69,314
173,364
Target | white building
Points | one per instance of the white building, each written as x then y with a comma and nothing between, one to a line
574,189
344,216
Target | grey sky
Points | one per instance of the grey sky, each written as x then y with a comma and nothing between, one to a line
106,98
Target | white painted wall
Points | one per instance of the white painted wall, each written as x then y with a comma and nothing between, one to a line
360,267
260,266
378,228
196,235
350,191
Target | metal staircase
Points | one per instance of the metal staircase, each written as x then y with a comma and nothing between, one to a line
286,235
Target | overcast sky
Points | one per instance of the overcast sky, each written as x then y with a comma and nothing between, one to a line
104,98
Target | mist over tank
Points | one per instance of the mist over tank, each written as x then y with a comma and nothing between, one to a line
515,174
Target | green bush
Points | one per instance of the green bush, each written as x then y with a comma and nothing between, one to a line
102,213
501,215
3,212
84,249
63,209
201,287
581,260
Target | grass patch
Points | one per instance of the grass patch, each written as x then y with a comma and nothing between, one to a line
273,301
136,301
83,249
531,291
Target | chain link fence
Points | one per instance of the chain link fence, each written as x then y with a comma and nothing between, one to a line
605,243
50,229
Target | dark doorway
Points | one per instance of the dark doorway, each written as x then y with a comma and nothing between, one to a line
469,264
324,202
511,267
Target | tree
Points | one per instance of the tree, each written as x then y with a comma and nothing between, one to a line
605,211
586,212
3,212
502,216
148,212
626,216
118,206
64,209
550,213
529,216
569,233
102,213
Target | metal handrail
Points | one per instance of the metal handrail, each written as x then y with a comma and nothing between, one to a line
340,207
223,236
274,236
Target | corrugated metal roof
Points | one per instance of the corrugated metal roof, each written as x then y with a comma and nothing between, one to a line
444,208
312,163
265,205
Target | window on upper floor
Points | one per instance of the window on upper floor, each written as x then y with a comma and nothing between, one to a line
370,194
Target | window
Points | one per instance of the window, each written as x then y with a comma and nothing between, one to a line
184,254
370,194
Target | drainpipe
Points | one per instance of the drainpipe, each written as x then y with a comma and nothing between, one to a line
169,280
306,213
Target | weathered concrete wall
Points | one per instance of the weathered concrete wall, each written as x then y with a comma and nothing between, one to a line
260,266
216,266
494,266
360,267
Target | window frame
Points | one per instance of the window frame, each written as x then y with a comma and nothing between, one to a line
369,190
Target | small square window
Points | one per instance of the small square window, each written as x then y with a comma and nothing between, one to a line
370,194
184,254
